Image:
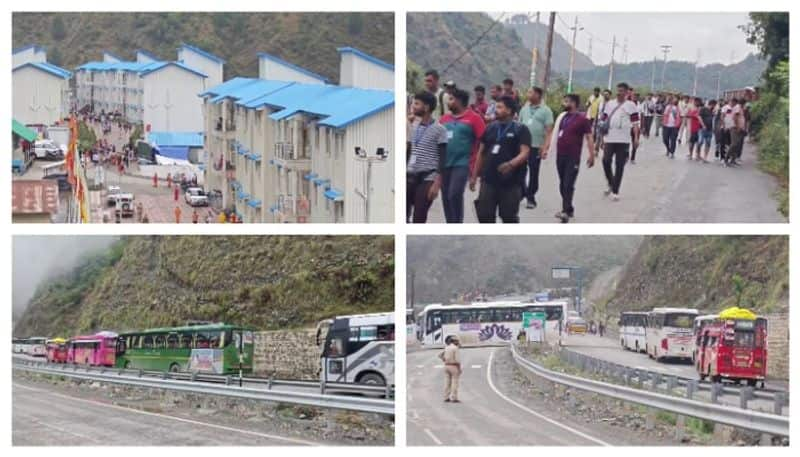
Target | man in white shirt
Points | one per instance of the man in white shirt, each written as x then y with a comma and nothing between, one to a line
727,125
622,117
683,108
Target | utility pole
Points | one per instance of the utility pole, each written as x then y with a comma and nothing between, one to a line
625,51
572,54
611,65
696,62
535,51
653,76
665,48
719,79
551,29
411,289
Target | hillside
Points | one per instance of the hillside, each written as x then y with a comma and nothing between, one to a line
448,265
701,272
307,39
535,35
679,76
268,282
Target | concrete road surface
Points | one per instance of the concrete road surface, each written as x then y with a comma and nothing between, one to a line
655,189
610,350
492,412
45,417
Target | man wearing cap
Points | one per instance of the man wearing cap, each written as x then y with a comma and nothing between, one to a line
452,369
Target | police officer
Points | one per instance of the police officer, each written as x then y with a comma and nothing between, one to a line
452,369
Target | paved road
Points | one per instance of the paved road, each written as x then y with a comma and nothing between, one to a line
656,189
609,349
491,412
43,417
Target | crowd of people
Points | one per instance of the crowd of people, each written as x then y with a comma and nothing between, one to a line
456,139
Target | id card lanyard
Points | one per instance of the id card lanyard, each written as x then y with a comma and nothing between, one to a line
500,134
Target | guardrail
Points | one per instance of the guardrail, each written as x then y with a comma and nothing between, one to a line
655,379
772,424
166,380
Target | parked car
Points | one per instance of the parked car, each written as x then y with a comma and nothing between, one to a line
195,196
577,325
124,204
47,149
111,195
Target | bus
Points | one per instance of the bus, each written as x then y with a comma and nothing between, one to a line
357,349
669,333
93,350
697,330
36,346
212,348
18,345
632,330
485,323
733,349
57,350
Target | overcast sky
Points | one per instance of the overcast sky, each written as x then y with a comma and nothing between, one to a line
716,35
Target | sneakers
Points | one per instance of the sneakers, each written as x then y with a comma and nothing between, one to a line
447,400
562,216
633,162
456,401
614,197
607,192
531,204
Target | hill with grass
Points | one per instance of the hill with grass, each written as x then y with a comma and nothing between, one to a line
268,282
705,272
307,39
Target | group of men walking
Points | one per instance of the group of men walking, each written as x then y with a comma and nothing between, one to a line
453,144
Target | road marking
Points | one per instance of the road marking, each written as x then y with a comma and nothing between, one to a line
433,437
420,366
178,419
530,411
438,366
475,366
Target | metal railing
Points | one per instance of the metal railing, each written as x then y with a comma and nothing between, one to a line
228,386
772,424
671,383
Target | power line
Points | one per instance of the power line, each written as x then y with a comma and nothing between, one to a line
475,43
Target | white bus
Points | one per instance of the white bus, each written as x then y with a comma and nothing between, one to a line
358,349
669,333
632,330
485,323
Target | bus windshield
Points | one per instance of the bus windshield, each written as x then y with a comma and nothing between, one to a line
679,320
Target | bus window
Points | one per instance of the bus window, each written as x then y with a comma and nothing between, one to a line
201,340
159,341
678,320
335,346
485,315
744,339
185,340
120,346
386,332
173,341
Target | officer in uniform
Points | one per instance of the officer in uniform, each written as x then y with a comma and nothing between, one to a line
452,369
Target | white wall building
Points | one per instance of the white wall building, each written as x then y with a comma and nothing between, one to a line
359,69
276,69
40,91
203,61
299,151
28,54
145,56
110,57
161,95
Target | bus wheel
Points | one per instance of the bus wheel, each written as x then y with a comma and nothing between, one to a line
174,368
372,379
752,382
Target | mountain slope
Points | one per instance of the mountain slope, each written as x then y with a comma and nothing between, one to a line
702,272
307,39
269,282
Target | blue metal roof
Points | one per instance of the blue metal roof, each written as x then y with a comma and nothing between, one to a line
35,47
294,67
310,176
47,67
203,53
142,68
188,139
366,56
174,152
334,194
254,203
336,106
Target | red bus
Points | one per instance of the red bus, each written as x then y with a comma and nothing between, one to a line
96,350
733,349
57,350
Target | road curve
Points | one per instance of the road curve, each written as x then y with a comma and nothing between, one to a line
490,413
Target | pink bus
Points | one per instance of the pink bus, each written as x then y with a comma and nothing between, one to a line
95,350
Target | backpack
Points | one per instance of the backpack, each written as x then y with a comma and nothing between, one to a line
603,126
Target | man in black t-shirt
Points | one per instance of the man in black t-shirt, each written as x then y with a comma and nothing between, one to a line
707,131
501,164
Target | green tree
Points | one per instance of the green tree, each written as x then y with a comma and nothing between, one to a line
770,32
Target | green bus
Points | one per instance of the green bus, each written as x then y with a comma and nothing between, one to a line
204,348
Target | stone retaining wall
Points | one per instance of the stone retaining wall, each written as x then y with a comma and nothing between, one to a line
287,354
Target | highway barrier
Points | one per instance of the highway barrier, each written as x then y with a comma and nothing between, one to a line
771,424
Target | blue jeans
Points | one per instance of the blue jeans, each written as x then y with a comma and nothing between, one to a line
454,181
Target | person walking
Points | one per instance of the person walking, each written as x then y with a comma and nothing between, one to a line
635,145
566,143
738,132
480,106
464,128
538,118
727,126
695,126
670,124
658,112
648,109
494,95
452,369
684,105
177,214
426,150
621,117
501,162
707,132
432,87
